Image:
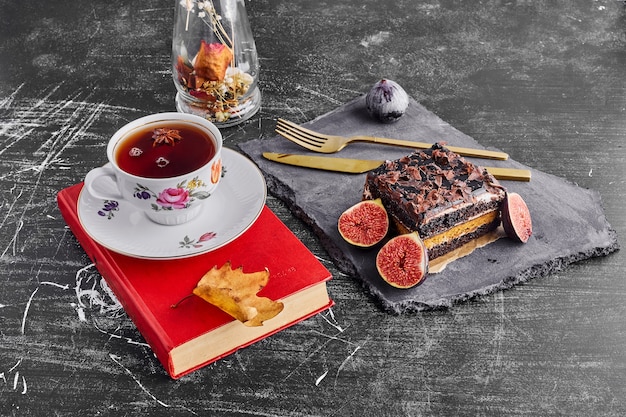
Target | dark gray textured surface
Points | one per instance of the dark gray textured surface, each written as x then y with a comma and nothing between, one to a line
544,80
568,222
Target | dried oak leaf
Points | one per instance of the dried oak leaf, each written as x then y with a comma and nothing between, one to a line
235,292
211,61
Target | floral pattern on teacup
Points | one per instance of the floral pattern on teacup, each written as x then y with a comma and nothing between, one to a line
108,209
173,198
187,242
177,198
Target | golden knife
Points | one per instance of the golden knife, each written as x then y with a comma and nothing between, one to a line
358,166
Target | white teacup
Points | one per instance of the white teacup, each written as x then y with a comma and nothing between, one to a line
169,184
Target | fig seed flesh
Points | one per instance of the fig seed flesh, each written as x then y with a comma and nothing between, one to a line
403,261
364,224
516,219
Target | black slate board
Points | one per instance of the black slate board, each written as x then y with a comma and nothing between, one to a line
568,221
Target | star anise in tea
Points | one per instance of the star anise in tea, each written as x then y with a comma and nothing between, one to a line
165,136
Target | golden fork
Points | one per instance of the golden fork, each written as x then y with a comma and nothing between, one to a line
320,142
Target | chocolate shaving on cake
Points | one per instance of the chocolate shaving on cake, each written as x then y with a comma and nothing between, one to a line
433,190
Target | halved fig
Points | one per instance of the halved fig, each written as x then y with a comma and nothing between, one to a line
364,224
403,261
516,219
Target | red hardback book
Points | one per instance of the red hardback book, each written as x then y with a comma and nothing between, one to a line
196,333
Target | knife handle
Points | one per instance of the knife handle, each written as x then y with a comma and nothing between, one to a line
512,174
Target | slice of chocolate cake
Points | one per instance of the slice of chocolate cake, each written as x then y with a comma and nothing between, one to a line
448,200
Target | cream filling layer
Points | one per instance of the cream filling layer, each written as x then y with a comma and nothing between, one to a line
460,230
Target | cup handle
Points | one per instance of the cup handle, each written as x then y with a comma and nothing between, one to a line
102,172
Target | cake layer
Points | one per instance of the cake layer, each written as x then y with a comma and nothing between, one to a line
433,190
447,199
441,223
461,230
458,236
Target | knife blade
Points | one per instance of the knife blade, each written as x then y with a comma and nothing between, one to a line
359,166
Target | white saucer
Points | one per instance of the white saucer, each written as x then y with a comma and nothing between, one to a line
229,212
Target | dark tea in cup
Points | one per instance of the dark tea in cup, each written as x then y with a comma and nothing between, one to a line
164,150
165,165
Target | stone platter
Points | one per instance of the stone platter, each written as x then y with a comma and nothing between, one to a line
568,221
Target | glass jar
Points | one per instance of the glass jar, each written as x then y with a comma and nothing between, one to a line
214,61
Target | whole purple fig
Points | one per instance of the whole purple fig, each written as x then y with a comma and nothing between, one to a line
386,101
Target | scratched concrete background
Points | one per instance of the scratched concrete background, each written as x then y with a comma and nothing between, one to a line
543,80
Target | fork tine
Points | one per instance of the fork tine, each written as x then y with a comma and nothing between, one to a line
302,130
300,135
285,127
289,128
304,143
